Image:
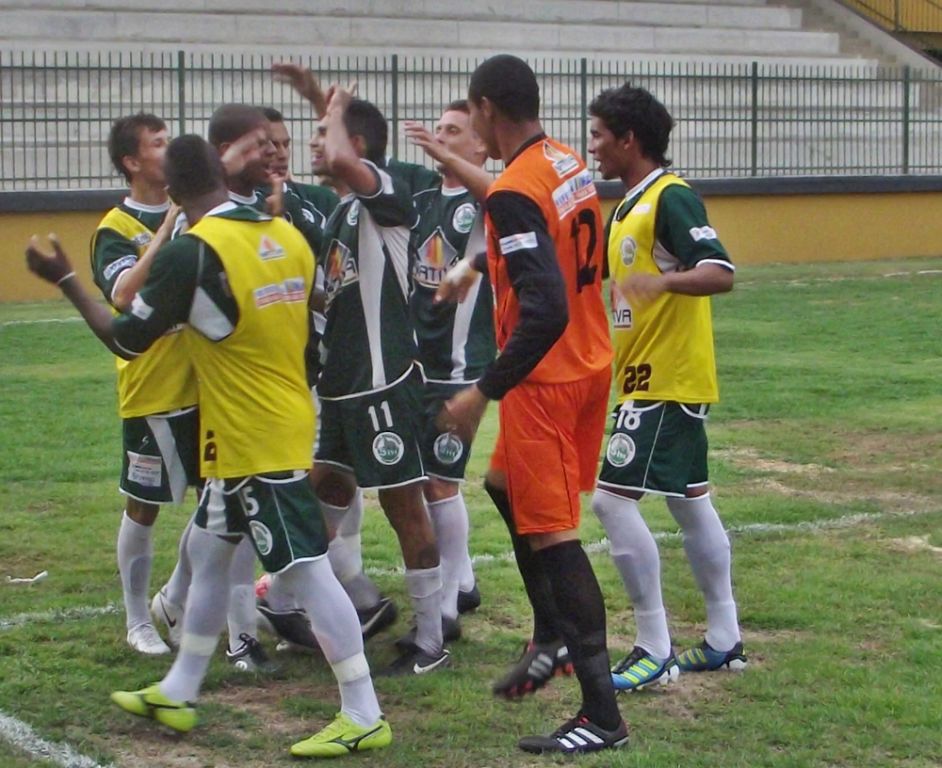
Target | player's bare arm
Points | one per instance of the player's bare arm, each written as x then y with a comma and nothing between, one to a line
706,279
56,268
463,413
304,82
129,282
343,159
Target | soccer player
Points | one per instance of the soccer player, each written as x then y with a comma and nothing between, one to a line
156,391
241,282
455,342
665,262
370,386
551,378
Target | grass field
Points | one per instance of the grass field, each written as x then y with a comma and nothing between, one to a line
826,456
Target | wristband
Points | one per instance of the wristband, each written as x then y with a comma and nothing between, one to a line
62,279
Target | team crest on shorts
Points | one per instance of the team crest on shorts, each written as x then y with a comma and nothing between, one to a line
621,450
463,218
447,448
263,538
388,448
628,249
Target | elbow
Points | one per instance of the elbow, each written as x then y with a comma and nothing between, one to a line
725,284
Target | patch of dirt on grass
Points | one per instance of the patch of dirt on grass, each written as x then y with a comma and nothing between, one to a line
890,501
915,544
749,458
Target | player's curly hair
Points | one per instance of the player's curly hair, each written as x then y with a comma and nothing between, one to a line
509,84
124,139
626,108
193,168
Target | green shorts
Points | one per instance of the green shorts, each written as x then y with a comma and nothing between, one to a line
161,456
656,448
375,436
444,454
278,510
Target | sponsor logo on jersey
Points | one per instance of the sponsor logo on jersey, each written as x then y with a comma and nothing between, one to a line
520,242
621,450
270,249
141,309
621,312
640,209
353,213
125,262
291,291
572,192
447,448
264,541
628,248
341,269
435,256
142,239
464,218
388,448
702,233
563,162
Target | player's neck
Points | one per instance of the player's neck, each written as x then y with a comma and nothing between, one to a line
198,207
637,173
241,188
148,194
512,136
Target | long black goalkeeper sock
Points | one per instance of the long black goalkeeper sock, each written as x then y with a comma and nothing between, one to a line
581,616
545,624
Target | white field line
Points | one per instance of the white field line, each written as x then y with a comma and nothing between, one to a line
63,614
41,321
25,739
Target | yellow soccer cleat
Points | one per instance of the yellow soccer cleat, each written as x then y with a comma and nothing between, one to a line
150,702
344,736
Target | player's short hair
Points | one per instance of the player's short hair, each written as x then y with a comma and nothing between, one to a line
192,168
272,115
458,105
363,118
626,108
231,121
124,139
509,84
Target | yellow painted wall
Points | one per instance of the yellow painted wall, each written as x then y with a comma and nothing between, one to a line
755,229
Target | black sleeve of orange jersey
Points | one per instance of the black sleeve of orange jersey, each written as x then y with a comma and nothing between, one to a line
530,256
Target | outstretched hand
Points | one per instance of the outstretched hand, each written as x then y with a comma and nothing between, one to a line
422,137
303,81
243,151
456,283
52,267
338,97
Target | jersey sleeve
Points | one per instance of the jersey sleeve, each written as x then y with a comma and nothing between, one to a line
165,298
530,257
391,205
112,254
683,229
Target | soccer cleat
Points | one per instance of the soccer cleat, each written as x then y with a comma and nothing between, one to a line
291,626
470,600
150,702
250,656
704,658
536,667
170,615
640,669
344,736
576,736
451,631
377,617
415,661
144,639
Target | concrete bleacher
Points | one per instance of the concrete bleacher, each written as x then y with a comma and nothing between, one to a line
65,109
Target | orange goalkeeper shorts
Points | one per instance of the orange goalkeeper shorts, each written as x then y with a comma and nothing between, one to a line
548,447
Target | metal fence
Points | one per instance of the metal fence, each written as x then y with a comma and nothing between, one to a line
746,120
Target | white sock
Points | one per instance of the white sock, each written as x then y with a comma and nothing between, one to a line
204,616
135,555
345,552
178,585
708,550
242,618
337,629
450,522
636,557
425,589
279,597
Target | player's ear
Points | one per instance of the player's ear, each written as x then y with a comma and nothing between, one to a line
131,164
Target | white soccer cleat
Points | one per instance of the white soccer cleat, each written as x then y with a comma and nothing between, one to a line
144,639
168,614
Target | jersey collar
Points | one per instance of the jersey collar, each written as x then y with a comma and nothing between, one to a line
129,202
526,145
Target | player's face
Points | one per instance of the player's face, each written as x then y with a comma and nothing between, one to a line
148,163
454,131
606,149
256,172
318,164
282,143
481,125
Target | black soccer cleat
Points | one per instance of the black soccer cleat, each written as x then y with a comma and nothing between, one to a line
377,617
470,600
415,661
536,667
292,626
577,736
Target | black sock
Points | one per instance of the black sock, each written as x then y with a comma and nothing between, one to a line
545,624
581,612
